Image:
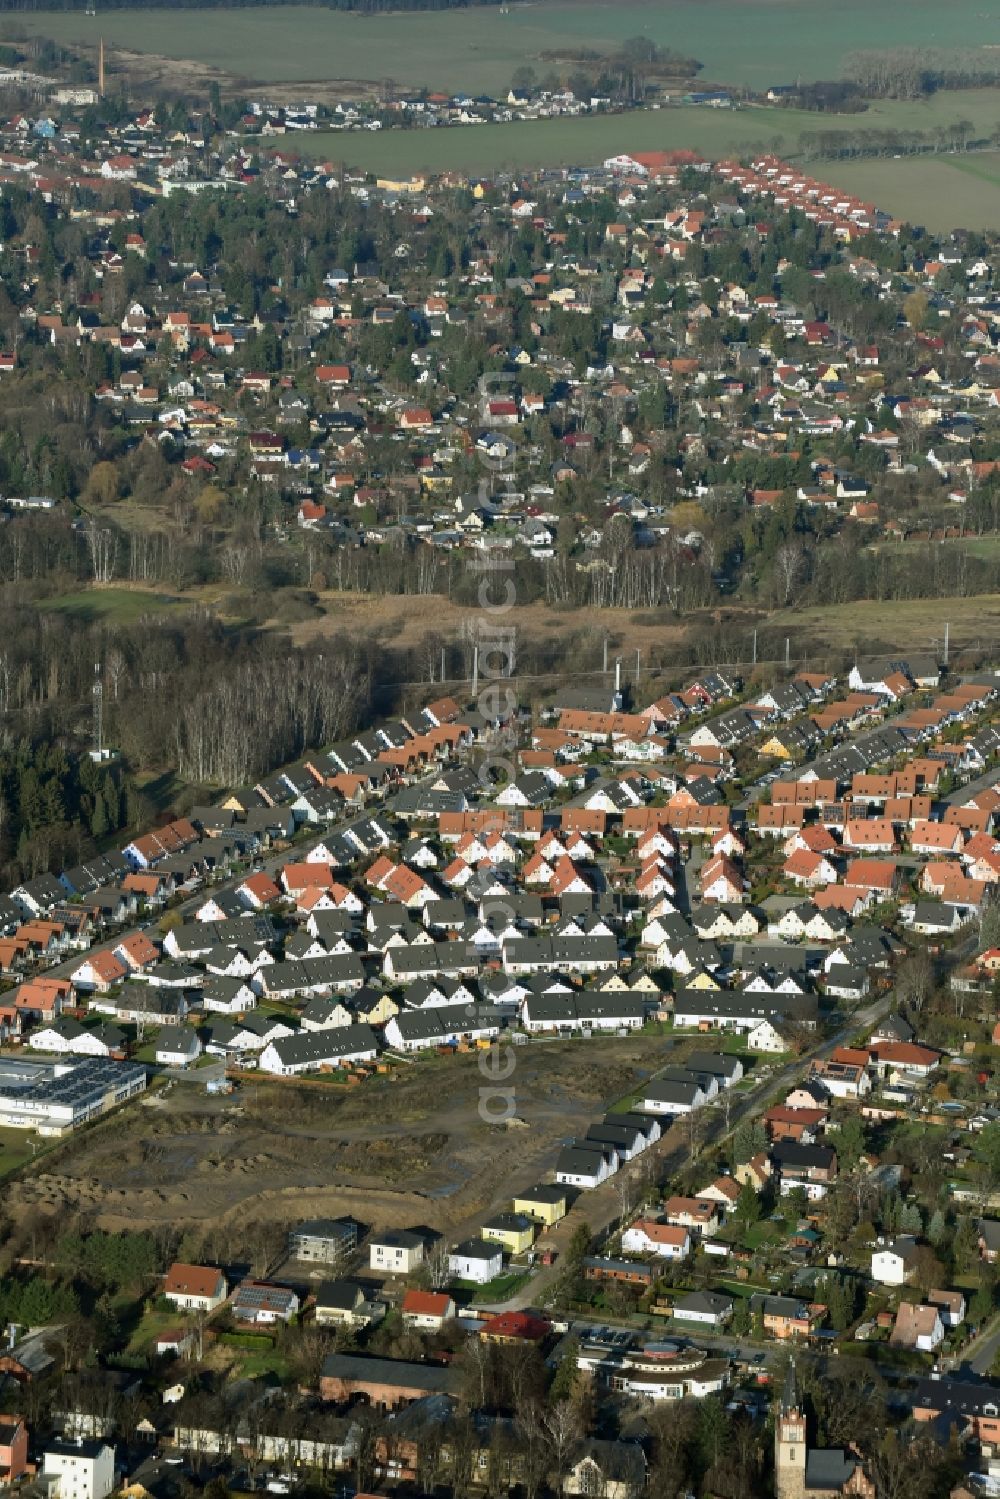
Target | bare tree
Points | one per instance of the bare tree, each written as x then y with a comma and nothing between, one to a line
102,545
789,564
915,980
438,1273
562,1430
531,1437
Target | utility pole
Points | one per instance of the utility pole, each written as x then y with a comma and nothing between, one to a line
755,646
605,655
475,671
442,663
788,651
947,632
637,659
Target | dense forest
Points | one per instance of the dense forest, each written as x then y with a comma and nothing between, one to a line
220,706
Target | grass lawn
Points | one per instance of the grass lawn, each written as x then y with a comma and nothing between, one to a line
152,1326
122,605
502,1287
266,1361
987,548
626,1103
560,142
742,1290
899,186
18,1147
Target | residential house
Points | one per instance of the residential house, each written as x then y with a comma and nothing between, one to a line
195,1288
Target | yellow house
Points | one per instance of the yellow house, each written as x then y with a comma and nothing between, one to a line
236,802
515,1231
431,481
381,1010
701,980
545,1204
777,748
401,184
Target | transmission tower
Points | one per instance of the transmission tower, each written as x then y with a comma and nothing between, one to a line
98,692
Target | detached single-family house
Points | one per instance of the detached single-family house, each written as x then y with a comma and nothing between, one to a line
177,1046
196,1288
578,1166
917,1328
893,1263
427,1310
396,1252
704,1309
475,1260
669,1241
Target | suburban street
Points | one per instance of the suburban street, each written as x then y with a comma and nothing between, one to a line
601,1209
271,863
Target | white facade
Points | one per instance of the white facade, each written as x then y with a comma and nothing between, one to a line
85,1470
765,1037
395,1258
889,1268
480,1268
588,1174
636,1240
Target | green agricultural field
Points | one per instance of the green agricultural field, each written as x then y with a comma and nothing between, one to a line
940,192
525,144
717,132
757,42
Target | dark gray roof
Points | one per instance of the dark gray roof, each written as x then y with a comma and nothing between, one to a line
966,1397
714,1302
317,1047
549,1193
477,1249
339,1295
829,1468
392,1372
715,1063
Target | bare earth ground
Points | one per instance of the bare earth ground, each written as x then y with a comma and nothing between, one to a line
404,622
411,1147
577,636
863,625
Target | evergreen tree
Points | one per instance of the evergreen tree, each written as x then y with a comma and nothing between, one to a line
937,1228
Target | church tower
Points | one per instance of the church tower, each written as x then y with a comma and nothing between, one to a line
790,1443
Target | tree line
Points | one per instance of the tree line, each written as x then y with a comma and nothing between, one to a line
914,72
848,145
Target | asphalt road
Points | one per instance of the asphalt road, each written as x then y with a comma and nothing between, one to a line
961,794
